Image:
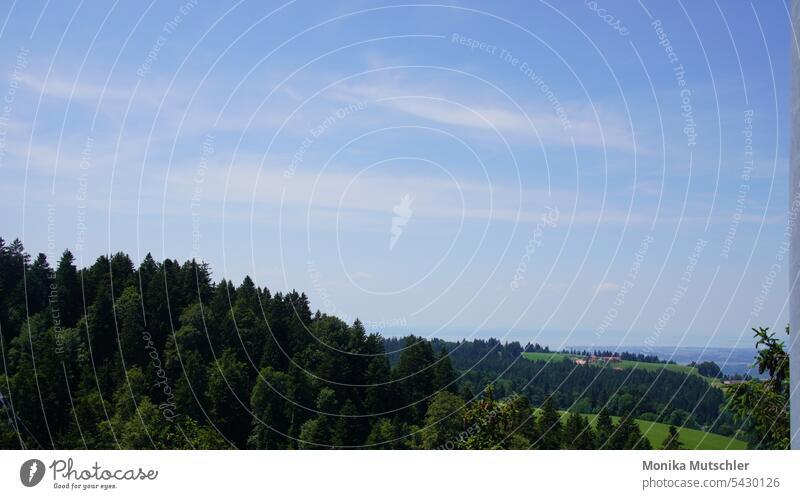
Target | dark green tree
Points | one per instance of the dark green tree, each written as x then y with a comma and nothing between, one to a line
228,398
444,421
604,429
549,426
763,407
415,377
270,411
578,433
67,301
672,440
318,432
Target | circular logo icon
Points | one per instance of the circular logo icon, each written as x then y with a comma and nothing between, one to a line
31,472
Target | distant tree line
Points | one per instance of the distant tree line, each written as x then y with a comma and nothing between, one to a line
663,396
624,355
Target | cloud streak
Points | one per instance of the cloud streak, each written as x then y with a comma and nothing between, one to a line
430,105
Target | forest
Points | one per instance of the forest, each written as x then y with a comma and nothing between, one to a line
158,355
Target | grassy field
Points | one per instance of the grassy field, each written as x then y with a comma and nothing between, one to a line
551,356
654,366
691,439
624,364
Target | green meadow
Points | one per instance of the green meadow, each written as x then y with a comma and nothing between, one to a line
691,439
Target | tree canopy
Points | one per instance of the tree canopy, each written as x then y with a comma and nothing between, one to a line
157,355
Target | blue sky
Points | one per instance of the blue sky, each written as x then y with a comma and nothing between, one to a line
565,174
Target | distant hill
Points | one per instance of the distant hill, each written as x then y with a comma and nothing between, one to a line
621,364
731,360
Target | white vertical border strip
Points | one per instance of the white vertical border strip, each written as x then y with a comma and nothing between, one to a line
794,254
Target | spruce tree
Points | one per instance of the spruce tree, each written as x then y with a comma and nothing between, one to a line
67,302
672,440
577,433
228,398
444,374
549,426
270,411
415,377
603,430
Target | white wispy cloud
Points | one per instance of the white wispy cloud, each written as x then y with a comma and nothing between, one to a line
607,286
339,191
471,112
59,87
